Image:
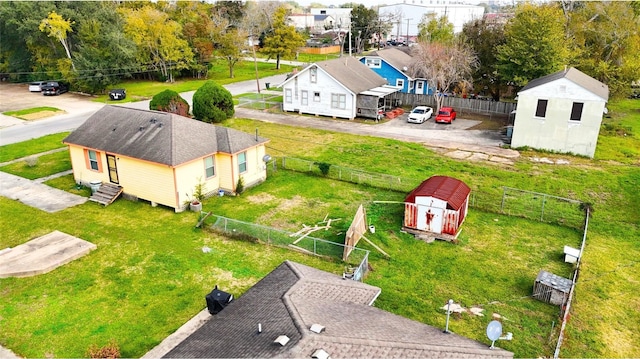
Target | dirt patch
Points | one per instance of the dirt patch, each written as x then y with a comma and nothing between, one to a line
40,115
261,198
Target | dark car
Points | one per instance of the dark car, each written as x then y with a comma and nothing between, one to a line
54,88
117,94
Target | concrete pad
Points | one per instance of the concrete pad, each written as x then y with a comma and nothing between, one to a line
42,255
478,157
459,154
501,160
37,195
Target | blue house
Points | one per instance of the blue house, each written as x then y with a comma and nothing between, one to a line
393,65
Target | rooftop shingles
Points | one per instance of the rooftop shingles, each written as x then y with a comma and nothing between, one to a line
394,57
576,76
290,299
157,137
448,189
351,73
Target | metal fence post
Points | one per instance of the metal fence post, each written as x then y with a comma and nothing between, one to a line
504,193
544,200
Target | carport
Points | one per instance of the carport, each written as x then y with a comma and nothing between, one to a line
373,103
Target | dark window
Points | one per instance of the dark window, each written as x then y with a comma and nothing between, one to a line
242,162
541,110
93,160
576,111
209,167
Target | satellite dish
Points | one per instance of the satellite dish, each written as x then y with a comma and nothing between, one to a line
266,158
494,331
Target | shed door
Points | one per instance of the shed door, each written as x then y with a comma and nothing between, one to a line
430,219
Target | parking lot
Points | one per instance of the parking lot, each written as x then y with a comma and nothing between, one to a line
17,97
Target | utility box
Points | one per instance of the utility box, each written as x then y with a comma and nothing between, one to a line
551,288
217,300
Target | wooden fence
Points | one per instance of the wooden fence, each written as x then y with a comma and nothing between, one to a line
321,50
458,103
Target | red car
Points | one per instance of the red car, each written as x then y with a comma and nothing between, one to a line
446,115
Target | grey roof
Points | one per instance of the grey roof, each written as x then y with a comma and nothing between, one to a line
576,76
293,297
394,57
554,281
320,17
351,73
158,137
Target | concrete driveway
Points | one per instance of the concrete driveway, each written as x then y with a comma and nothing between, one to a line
37,195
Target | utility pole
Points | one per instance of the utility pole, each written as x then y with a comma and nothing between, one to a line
349,38
255,60
407,39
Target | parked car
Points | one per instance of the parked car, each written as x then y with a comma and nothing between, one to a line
118,94
54,88
446,115
420,114
36,86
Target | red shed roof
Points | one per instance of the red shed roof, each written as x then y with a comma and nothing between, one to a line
448,189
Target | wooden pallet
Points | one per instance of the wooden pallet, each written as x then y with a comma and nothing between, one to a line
106,194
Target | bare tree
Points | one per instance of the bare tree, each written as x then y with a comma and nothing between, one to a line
443,66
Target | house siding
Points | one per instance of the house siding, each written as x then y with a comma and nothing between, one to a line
555,131
146,180
82,173
189,174
256,169
326,86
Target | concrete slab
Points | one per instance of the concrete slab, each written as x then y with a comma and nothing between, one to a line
37,195
42,255
459,154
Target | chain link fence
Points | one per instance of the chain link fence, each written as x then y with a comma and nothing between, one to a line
356,266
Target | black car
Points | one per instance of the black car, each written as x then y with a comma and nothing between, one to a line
54,88
118,94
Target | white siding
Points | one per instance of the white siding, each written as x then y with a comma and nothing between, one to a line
555,131
325,85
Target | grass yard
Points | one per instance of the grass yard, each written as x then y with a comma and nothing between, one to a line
219,72
149,274
34,113
42,166
38,145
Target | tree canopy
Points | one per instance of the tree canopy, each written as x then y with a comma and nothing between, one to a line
282,40
433,29
170,101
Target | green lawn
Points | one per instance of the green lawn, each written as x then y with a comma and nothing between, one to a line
38,145
149,274
219,72
39,167
31,111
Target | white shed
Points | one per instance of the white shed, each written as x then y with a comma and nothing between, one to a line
560,112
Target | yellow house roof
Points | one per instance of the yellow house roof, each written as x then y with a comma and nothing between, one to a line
158,137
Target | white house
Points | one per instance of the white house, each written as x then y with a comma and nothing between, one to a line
340,16
560,112
342,87
301,21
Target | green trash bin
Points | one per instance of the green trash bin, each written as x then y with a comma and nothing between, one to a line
268,85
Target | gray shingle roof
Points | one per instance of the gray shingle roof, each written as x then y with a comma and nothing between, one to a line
394,57
353,74
158,137
576,76
293,297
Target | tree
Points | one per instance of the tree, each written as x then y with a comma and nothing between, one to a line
606,43
57,27
484,37
283,40
364,24
434,29
212,103
535,44
170,101
443,66
159,40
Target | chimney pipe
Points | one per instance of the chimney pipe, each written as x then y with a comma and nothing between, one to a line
259,327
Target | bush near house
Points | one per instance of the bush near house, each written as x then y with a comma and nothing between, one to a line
212,103
170,101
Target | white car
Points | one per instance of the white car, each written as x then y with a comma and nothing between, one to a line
420,114
36,86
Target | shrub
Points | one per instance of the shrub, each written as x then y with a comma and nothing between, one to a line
324,167
109,351
240,186
170,101
212,103
31,161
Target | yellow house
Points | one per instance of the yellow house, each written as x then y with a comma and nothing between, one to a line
160,157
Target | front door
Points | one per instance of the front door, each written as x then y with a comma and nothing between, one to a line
113,170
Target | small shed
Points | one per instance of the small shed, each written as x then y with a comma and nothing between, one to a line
551,288
438,205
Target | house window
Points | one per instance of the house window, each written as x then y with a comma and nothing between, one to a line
305,97
400,83
316,97
374,63
287,95
541,109
242,162
209,167
419,87
338,101
313,75
410,85
93,160
576,111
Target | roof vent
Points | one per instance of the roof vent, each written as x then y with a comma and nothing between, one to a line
282,340
317,328
320,354
141,128
153,120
